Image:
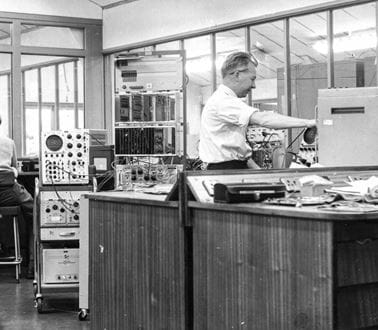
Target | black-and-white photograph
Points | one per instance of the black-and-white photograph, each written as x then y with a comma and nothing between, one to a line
188,165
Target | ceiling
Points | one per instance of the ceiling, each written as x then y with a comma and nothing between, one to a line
105,4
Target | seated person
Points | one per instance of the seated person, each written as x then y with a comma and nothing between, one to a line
12,194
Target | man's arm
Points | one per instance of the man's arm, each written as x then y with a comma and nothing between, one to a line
251,164
14,161
274,120
14,157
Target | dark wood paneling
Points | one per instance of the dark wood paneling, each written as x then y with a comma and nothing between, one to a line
358,230
261,272
358,307
136,267
357,262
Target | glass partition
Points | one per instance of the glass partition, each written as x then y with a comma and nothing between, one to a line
267,46
199,86
5,92
226,43
355,42
308,69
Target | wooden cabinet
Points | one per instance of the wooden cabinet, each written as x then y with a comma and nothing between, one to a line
274,272
136,266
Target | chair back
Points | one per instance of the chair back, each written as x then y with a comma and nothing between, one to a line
7,178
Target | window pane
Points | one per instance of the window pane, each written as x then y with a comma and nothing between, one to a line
48,84
5,34
227,43
31,131
5,92
80,77
174,45
355,42
199,87
52,36
267,42
66,82
308,65
81,117
66,117
46,77
47,118
31,85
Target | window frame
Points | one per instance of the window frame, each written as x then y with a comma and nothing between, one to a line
92,51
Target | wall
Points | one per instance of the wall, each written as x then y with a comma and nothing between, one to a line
69,8
148,20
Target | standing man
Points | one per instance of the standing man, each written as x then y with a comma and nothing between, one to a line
225,118
12,193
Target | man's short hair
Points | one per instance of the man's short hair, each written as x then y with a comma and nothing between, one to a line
236,60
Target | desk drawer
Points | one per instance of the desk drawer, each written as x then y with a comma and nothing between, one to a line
60,234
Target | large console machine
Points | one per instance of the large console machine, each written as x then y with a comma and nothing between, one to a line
65,176
65,155
347,132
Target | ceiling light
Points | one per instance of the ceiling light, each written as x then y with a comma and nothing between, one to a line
357,41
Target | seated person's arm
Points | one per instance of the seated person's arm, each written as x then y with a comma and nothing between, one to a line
14,161
278,121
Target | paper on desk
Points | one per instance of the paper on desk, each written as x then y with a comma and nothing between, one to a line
313,180
359,187
161,189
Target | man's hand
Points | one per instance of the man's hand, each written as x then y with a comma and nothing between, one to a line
311,123
251,164
15,172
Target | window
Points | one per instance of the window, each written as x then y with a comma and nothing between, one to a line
226,43
51,96
308,65
199,86
267,46
5,34
52,36
354,63
354,46
5,92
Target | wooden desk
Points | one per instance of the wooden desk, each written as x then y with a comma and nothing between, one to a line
272,267
248,266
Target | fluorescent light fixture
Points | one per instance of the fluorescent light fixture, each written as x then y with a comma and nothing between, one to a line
356,41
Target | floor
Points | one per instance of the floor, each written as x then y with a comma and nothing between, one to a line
17,311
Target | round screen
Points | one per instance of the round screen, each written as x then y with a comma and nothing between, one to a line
54,142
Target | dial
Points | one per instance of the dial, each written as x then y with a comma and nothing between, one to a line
54,142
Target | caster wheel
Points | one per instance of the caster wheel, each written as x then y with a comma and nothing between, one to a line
83,315
35,289
39,304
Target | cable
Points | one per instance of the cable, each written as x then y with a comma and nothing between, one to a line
107,176
69,173
296,138
93,137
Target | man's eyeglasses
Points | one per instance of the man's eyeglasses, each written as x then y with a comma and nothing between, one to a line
241,70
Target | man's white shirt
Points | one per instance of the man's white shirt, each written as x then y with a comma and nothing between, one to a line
224,123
